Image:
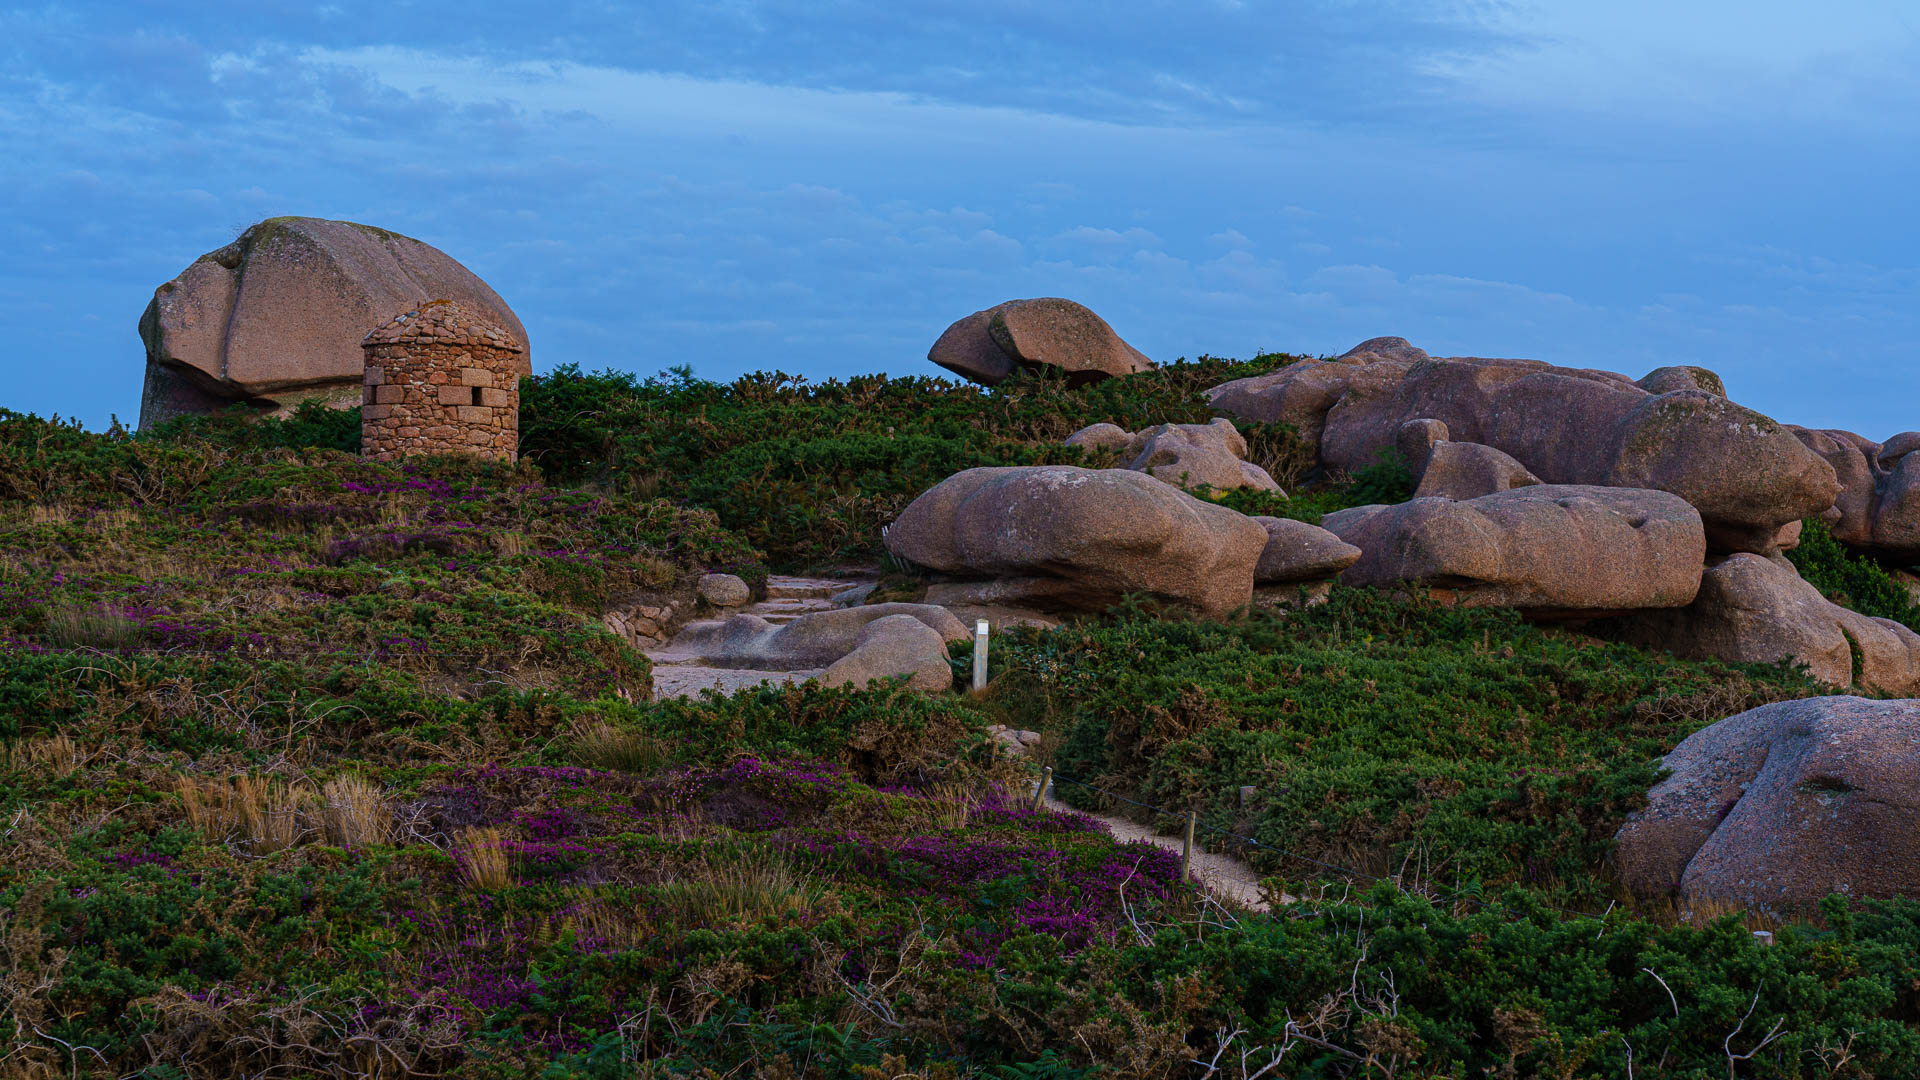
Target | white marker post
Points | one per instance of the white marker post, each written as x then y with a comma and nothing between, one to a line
979,656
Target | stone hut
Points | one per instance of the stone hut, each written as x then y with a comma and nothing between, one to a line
441,379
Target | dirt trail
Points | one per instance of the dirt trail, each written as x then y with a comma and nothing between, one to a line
1223,875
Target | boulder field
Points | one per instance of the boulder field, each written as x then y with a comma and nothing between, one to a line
1673,430
1188,456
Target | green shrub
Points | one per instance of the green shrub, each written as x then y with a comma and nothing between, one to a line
1850,580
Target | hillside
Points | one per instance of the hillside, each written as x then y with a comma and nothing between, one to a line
318,766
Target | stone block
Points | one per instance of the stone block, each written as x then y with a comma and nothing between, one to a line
456,395
474,414
375,375
389,395
474,376
437,378
375,412
497,399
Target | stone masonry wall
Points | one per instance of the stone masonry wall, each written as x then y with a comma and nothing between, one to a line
440,380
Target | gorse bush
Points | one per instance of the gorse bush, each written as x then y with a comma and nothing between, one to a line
1854,581
808,472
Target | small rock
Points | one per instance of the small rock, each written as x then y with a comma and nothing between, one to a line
890,647
724,590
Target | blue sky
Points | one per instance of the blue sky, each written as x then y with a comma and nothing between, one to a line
821,186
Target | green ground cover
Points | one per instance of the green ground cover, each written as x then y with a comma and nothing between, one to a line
310,766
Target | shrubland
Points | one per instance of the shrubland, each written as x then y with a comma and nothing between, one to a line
318,766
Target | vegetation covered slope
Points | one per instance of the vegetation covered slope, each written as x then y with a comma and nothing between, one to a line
313,766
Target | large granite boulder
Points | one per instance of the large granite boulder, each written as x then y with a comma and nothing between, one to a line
1747,475
890,647
1878,508
1297,551
987,346
1184,455
1550,549
1782,805
1060,537
1755,610
277,316
1464,470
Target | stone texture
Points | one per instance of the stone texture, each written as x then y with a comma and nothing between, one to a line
813,640
277,316
1391,348
1081,538
1461,470
1777,807
1746,474
1754,610
1188,456
723,590
890,647
418,406
1684,377
1416,439
1878,509
1550,549
1297,551
988,345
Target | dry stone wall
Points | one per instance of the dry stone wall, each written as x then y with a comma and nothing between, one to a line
441,379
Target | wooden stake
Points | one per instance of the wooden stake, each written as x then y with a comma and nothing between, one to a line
1186,850
1040,793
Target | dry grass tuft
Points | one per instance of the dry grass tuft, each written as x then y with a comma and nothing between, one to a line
752,888
90,626
952,805
261,815
483,860
600,745
356,814
56,754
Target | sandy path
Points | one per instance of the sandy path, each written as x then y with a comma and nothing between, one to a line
1223,875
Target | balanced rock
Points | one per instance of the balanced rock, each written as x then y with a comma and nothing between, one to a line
277,316
1057,536
1878,508
1185,455
1297,551
1753,610
1779,806
1746,474
892,646
988,345
813,640
1549,549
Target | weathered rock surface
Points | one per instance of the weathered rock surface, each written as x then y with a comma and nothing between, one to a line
811,641
1550,549
1752,609
277,316
1746,474
1297,551
1184,455
892,646
1878,508
1056,536
988,345
1777,807
724,590
1462,470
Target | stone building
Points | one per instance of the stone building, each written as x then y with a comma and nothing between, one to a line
441,379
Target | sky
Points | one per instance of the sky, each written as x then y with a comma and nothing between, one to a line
821,186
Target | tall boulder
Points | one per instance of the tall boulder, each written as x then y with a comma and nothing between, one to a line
1747,475
1878,509
989,345
1549,549
1754,610
277,316
1061,537
1779,806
